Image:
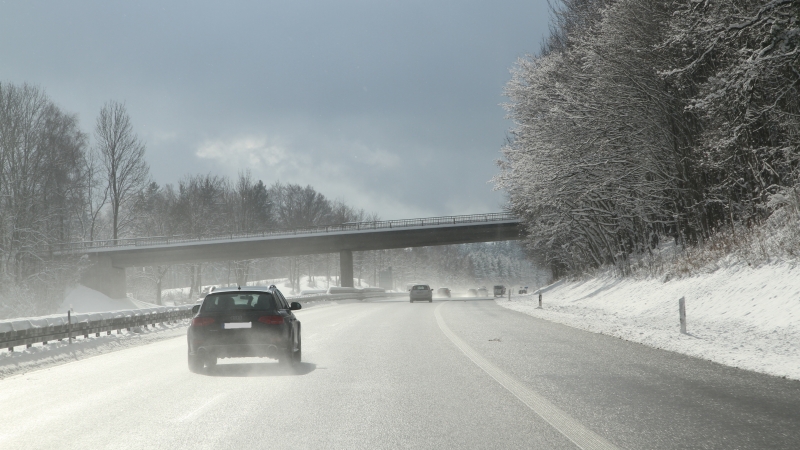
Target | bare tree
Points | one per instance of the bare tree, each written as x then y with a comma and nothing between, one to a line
296,206
40,152
122,154
96,191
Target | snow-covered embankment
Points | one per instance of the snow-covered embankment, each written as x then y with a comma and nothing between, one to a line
738,316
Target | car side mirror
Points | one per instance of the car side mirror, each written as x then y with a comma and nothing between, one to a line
295,306
195,309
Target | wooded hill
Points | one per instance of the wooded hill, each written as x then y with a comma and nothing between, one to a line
642,121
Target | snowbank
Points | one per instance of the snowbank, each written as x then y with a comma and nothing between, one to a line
738,316
87,304
40,356
83,299
312,291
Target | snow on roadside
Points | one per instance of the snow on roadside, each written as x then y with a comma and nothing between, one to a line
42,356
306,286
87,304
84,299
738,316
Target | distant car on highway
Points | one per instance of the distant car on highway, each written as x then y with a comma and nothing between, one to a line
472,292
443,292
420,292
499,290
234,323
482,292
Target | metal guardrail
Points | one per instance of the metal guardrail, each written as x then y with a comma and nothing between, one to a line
354,295
354,226
128,319
57,332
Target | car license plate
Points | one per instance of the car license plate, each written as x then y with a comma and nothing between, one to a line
231,325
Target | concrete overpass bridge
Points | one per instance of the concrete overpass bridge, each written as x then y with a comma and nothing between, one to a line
110,258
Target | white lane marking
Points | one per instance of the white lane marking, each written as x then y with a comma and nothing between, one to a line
573,430
201,409
333,324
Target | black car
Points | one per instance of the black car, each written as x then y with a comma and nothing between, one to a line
235,322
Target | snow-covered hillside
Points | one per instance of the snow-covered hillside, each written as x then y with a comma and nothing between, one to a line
83,299
737,315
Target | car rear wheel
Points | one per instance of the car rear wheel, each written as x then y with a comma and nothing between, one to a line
195,363
289,356
211,362
298,355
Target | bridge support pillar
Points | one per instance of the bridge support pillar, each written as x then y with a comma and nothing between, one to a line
101,275
346,268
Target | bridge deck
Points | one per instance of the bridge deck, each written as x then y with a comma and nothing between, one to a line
325,239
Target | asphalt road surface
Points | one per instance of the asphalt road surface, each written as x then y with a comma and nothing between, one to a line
390,374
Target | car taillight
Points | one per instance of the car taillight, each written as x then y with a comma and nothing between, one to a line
271,320
201,321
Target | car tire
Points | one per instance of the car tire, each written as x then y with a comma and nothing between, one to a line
211,362
430,301
288,356
298,355
285,358
195,363
411,301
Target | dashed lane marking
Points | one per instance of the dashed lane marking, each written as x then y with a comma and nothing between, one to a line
573,430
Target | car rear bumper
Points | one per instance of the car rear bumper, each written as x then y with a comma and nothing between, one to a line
241,350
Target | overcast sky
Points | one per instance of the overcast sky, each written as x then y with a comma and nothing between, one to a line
393,107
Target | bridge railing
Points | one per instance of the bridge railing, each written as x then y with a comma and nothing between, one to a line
351,226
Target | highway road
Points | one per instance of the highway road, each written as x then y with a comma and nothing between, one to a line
390,374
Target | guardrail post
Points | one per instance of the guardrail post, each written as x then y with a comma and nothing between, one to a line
540,300
682,312
69,325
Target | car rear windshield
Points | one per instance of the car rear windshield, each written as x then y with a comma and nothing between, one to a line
252,301
420,287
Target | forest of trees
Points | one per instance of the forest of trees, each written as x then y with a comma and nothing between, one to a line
60,184
642,121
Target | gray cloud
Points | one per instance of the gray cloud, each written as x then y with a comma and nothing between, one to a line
391,106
